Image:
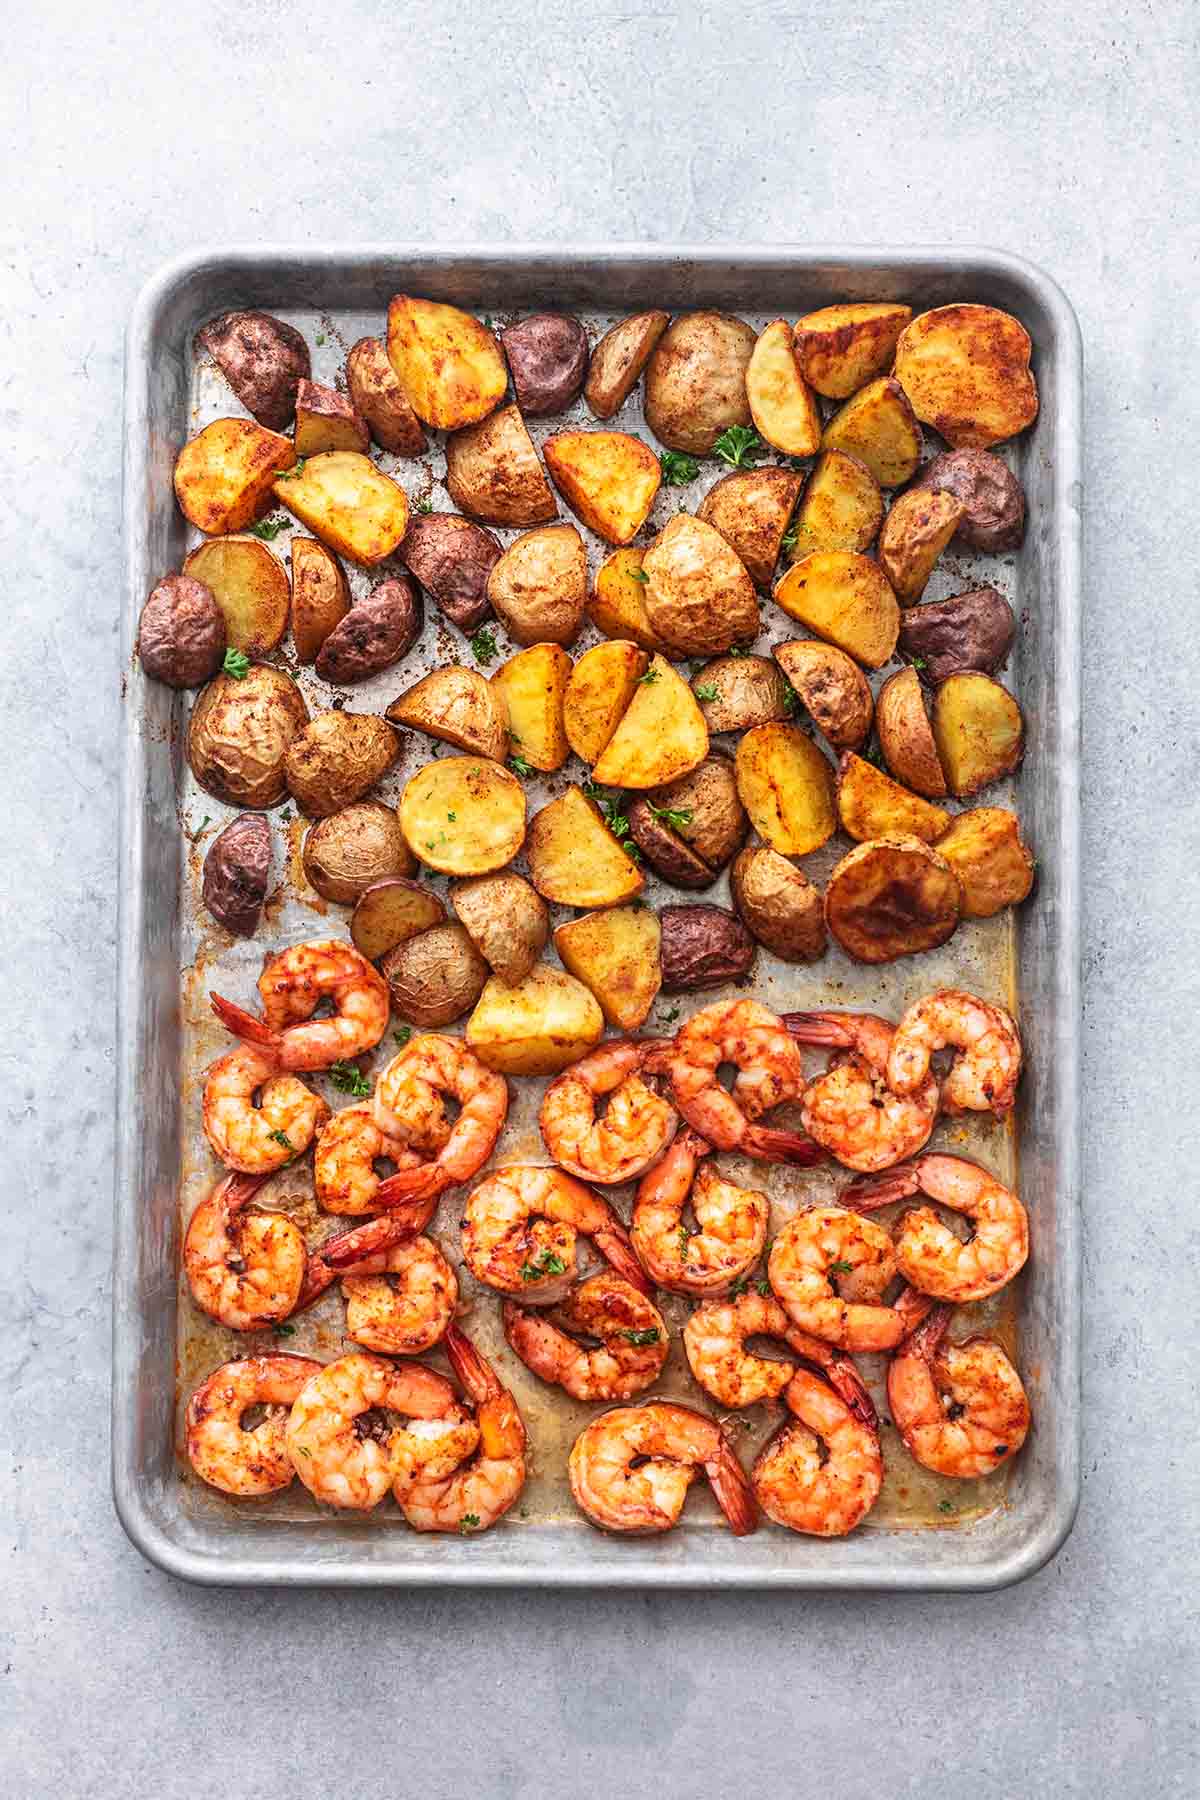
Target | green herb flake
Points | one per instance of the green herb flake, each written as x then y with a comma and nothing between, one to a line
638,575
281,1137
945,1506
651,675
469,1523
685,1237
677,817
348,1078
919,662
320,338
285,1331
669,1018
875,756
519,766
841,1268
402,1036
451,817
650,1335
740,446
739,1287
546,1262
483,646
706,690
791,700
236,665
738,650
788,540
764,1288
297,468
424,505
303,1451
269,529
487,319
678,469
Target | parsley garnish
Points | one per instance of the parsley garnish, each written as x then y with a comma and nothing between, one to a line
297,468
791,699
519,766
788,540
483,646
739,1287
678,468
875,756
285,1331
707,690
281,1137
348,1078
236,664
648,677
677,817
650,1335
684,1236
451,817
423,506
638,575
919,662
487,319
669,1018
269,529
470,1522
740,446
320,338
402,1036
945,1506
738,650
198,833
546,1262
764,1288
618,824
841,1268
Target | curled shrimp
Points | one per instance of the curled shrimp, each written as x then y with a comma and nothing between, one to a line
292,985
408,1106
850,1110
245,1269
436,1487
344,1164
221,1450
343,1457
732,1222
637,1124
257,1140
822,1471
984,1074
928,1253
715,1339
831,1269
960,1407
769,1071
630,1469
399,1301
632,1333
520,1228
350,1248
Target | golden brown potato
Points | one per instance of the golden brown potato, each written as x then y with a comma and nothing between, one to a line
507,920
448,364
696,380
978,730
699,599
261,358
661,735
601,686
531,690
879,427
751,508
842,508
841,348
832,689
966,372
574,859
538,588
320,596
779,904
688,830
493,472
457,705
736,692
350,504
463,815
536,1026
327,420
892,897
872,805
391,911
917,529
347,852
618,360
239,734
616,607
223,475
985,849
607,478
435,977
337,758
782,404
250,586
906,736
787,788
376,392
845,599
616,954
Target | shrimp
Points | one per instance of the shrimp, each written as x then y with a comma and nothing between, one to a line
257,1140
831,1268
984,1074
631,1469
400,1301
928,1253
435,1487
637,1125
769,1072
350,1248
960,1408
850,1110
822,1472
408,1106
244,1269
343,1456
292,986
344,1172
519,1231
632,1332
715,1341
222,1451
732,1223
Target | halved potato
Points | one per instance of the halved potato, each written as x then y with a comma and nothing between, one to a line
320,596
906,736
464,815
616,606
536,1026
892,897
327,420
607,478
966,371
574,858
337,758
661,735
449,365
696,380
688,830
878,426
538,588
779,904
250,586
390,912
842,508
846,599
985,849
435,977
840,348
832,689
617,955
457,705
782,404
915,532
787,787
736,692
223,475
978,730
351,505
872,805
619,359
531,688
751,508
507,920
349,851
699,599
493,472
601,686
376,392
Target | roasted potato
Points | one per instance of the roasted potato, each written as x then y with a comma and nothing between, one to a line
250,585
390,912
992,498
842,508
879,427
240,733
616,953
223,476
661,734
782,404
237,871
845,599
985,849
327,420
696,380
840,348
452,559
547,359
374,634
615,606
737,692
751,508
688,830
787,788
531,693
872,805
607,478
448,364
978,730
535,1026
779,904
507,921
181,633
350,504
463,815
601,685
618,360
917,529
966,372
892,897
831,687
434,977
663,849
378,397
337,758
457,705
906,737
320,596
703,947
352,850
699,599
974,630
262,359
539,586
493,472
574,859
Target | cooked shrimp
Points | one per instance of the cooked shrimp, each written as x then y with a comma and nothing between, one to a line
928,1253
822,1472
408,1107
850,1110
344,1171
343,1457
831,1268
669,1445
960,1408
519,1231
435,1487
769,1071
328,1261
257,1140
245,1269
292,986
715,1340
637,1124
732,1222
399,1301
984,1074
222,1451
632,1332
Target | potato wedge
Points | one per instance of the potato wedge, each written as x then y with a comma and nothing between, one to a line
974,630
699,599
507,919
842,508
349,851
891,897
616,954
350,504
872,805
663,850
337,758
787,787
240,733
375,391
779,905
782,405
696,380
536,1026
452,559
449,365
618,360
615,606
688,830
457,705
320,596
751,509
917,529
434,977
463,815
262,359
574,859
249,584
327,420
493,472
538,588
985,849
601,686
845,599
966,372
607,478
906,737
978,730
878,426
391,911
223,475
840,348
531,690
737,692
832,689
661,735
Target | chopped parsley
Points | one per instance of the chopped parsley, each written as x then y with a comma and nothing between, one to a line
199,831
281,1137
677,817
236,664
617,823
919,662
285,1331
546,1262
424,505
297,468
740,446
788,540
402,1036
678,468
739,1287
841,1268
519,766
638,575
483,646
650,676
269,529
487,319
791,700
319,339
348,1078
669,1018
706,690
738,650
685,1237
469,1523
650,1335
451,817
874,755
945,1506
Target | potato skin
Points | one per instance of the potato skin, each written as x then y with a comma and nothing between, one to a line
547,359
696,380
373,635
618,360
906,736
892,897
665,850
349,850
718,825
507,920
832,688
457,705
452,558
699,599
378,396
750,691
336,758
751,508
494,473
974,630
240,734
985,849
262,359
918,527
703,947
992,497
181,634
539,586
779,905
434,977
320,596
237,870
327,420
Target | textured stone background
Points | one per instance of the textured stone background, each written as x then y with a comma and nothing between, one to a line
133,131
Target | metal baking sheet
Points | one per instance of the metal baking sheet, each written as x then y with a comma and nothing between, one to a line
923,1533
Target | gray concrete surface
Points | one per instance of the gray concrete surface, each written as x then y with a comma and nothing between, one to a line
134,131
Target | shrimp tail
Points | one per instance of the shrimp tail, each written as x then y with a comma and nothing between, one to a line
659,1056
731,1487
872,1191
612,1242
846,1381
473,1369
925,1337
243,1024
425,1182
781,1146
318,1276
817,1028
913,1307
237,1190
403,1221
